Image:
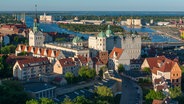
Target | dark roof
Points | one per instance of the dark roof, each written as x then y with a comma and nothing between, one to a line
35,87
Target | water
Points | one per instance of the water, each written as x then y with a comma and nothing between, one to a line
52,27
152,34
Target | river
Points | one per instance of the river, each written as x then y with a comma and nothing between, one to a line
52,27
152,34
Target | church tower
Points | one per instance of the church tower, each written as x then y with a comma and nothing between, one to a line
36,37
109,32
101,41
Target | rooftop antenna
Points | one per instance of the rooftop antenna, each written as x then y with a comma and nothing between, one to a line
36,10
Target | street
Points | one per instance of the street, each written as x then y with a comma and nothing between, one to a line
131,92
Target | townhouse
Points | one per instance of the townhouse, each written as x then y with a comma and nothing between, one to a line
72,65
164,71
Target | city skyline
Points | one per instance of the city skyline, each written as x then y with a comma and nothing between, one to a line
93,5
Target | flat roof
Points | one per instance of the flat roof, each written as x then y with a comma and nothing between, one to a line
36,87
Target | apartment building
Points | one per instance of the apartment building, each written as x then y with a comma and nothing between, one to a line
31,68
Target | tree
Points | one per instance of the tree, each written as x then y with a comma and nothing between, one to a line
5,69
146,69
8,49
32,101
69,77
182,69
154,95
175,92
104,91
82,71
81,100
46,101
121,68
67,101
60,39
12,93
104,94
16,39
22,53
91,73
102,102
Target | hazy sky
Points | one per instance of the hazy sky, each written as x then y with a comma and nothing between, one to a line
92,5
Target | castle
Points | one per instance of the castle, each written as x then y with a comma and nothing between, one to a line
107,41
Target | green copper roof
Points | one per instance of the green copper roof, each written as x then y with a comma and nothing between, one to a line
35,26
101,34
77,39
109,32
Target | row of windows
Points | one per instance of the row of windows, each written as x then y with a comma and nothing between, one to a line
38,38
175,80
175,74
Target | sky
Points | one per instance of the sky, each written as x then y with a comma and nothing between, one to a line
92,5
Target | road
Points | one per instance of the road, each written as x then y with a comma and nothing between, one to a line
130,91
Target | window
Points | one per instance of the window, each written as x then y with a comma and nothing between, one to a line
172,80
177,80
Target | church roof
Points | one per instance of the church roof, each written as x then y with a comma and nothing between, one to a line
101,34
77,39
109,32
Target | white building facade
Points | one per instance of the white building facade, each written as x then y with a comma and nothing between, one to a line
36,37
107,41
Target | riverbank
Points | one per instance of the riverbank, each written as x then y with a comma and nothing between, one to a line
168,31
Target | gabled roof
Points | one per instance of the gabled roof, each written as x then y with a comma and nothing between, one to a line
153,61
165,67
97,61
67,62
157,102
117,52
160,64
27,62
83,59
39,50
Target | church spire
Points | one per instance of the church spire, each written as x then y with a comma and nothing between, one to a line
36,21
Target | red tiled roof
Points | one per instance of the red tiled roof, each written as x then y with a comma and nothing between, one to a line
32,60
167,66
42,51
160,87
83,59
153,62
157,81
160,63
154,70
97,61
56,53
23,47
117,51
36,49
12,58
49,52
29,48
1,55
157,102
67,62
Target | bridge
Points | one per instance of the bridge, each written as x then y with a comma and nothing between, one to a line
163,44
